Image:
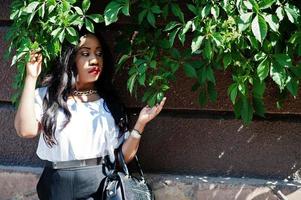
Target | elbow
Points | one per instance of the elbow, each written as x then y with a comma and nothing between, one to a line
24,133
27,135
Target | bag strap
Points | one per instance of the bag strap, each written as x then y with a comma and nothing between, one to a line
124,165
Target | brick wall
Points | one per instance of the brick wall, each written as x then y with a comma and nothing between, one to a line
184,138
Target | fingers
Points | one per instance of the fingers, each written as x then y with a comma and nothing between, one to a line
35,57
157,109
160,106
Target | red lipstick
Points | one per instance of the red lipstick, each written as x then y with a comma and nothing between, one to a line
94,70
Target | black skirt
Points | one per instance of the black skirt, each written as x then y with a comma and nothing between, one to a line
70,184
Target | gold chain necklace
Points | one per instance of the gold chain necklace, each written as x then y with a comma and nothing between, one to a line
83,93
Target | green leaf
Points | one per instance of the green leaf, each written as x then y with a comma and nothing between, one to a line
215,11
264,4
295,38
164,43
31,7
293,86
97,18
160,96
278,74
232,92
62,35
207,53
210,75
247,110
284,60
42,10
89,25
171,25
218,39
280,13
141,79
86,5
111,12
146,95
297,71
242,88
181,37
227,59
244,21
126,8
192,8
238,108
212,92
263,69
247,5
258,107
151,19
71,31
273,22
131,83
142,68
172,36
292,12
176,10
202,75
174,66
189,70
72,39
29,19
156,9
51,8
187,27
66,6
258,88
259,28
153,64
164,88
260,56
123,59
56,32
255,6
205,11
141,16
196,43
253,41
152,100
78,10
202,97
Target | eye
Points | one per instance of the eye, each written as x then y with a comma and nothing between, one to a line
99,53
84,53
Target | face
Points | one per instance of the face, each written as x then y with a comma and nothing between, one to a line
89,61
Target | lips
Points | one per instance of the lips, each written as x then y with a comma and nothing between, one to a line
94,70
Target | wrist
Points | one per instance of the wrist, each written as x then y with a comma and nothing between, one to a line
31,78
136,134
139,126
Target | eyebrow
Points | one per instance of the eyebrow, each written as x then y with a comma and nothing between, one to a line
89,48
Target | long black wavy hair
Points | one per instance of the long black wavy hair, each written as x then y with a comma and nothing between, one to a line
60,84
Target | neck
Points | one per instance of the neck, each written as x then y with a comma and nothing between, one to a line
84,87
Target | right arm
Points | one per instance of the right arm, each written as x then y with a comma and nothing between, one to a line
26,123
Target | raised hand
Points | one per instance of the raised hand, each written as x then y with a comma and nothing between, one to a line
34,66
147,113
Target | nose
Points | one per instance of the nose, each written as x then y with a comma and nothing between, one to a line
93,60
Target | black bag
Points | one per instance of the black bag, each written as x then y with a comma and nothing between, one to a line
121,185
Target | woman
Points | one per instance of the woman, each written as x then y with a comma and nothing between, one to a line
79,118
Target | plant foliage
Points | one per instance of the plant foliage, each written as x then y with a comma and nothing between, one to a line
255,40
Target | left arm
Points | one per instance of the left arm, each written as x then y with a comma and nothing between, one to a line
130,146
